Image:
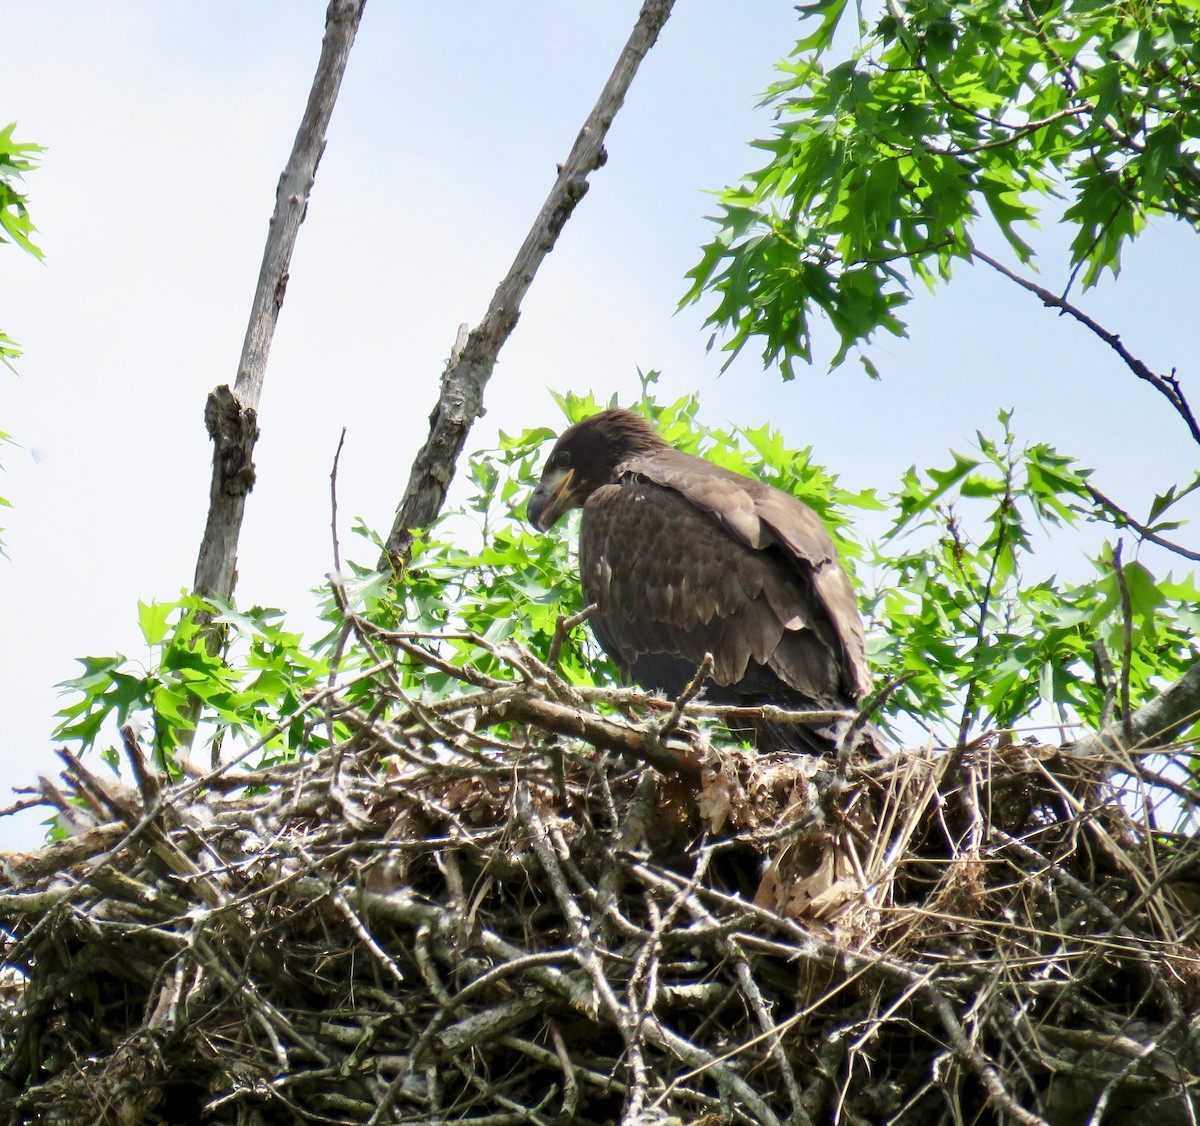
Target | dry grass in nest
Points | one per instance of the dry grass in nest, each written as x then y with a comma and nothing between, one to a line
492,909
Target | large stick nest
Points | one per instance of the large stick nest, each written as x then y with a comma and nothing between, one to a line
493,908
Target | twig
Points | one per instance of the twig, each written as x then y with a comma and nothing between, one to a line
1106,680
583,950
1168,389
602,732
693,687
147,781
336,583
570,1102
587,954
606,1083
562,630
359,927
869,707
1145,958
1126,644
810,946
1142,530
984,607
738,714
767,1026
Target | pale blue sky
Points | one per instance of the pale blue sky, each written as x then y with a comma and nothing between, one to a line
168,125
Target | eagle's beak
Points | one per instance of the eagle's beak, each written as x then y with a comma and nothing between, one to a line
551,498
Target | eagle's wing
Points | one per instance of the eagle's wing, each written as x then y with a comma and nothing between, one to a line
684,558
801,535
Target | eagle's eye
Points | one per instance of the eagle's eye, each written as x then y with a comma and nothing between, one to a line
561,460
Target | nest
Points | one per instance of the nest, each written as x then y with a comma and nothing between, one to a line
527,903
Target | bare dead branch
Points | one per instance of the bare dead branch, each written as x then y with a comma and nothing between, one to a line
231,415
1154,724
601,732
689,693
1126,643
460,400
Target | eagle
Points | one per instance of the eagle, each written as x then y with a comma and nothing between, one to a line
684,558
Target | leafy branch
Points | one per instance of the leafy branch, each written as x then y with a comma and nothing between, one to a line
16,158
884,163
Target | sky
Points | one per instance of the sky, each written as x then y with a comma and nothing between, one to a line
167,125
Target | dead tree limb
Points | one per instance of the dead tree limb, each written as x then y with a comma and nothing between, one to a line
461,399
232,415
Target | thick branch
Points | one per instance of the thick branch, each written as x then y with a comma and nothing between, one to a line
233,428
461,398
231,416
1168,387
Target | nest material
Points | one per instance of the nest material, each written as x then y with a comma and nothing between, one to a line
492,909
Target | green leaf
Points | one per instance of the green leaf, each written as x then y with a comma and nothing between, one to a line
153,618
829,14
889,154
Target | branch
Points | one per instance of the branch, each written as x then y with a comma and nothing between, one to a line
703,672
562,630
1168,387
984,604
1123,517
461,399
598,730
1126,644
1154,723
231,416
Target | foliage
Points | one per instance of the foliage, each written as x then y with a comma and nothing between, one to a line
249,691
947,592
16,158
985,642
516,582
882,164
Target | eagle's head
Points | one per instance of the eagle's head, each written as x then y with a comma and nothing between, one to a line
584,458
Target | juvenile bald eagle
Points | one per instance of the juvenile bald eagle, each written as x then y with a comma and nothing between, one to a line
684,558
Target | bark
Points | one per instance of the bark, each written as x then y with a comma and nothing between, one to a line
231,415
466,375
233,428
